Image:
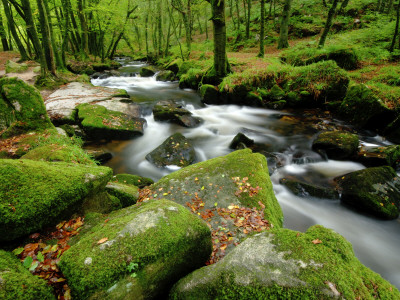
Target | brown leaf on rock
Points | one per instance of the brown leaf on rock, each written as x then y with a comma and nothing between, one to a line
103,240
316,241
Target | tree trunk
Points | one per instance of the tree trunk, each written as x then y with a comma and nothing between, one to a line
11,26
284,30
84,30
328,23
57,50
46,37
343,6
3,35
262,33
30,26
248,19
396,30
221,65
389,7
159,28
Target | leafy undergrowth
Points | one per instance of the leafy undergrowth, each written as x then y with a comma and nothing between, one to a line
246,221
42,256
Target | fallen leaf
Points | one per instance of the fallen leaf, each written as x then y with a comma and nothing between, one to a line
103,240
316,241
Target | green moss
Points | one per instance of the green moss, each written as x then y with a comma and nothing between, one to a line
209,94
336,144
21,108
372,190
218,181
99,122
161,237
364,109
36,194
17,283
65,153
13,67
127,194
191,79
175,150
286,264
136,180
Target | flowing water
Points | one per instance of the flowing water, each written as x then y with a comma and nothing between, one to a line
285,137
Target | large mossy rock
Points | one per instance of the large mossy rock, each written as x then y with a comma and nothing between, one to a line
381,156
139,253
318,83
169,111
240,178
209,94
345,58
175,150
165,76
17,283
127,194
100,123
21,108
336,144
286,264
135,180
13,67
364,109
304,189
372,190
57,152
61,105
147,72
36,194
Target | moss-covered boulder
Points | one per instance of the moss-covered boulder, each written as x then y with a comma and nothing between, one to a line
303,189
209,94
100,123
21,108
127,194
165,76
61,104
239,178
59,152
372,190
135,180
336,144
35,194
138,254
364,109
170,111
286,264
147,72
175,65
13,67
191,79
100,156
175,150
345,58
381,156
241,141
323,82
17,283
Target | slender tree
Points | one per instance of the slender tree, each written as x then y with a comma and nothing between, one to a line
262,33
284,30
328,23
12,28
248,19
396,30
3,34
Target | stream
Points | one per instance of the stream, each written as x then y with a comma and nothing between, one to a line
285,136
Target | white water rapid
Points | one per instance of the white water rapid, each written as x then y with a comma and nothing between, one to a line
286,139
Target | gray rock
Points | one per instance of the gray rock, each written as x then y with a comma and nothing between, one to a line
61,104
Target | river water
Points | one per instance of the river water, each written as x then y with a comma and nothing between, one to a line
286,137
